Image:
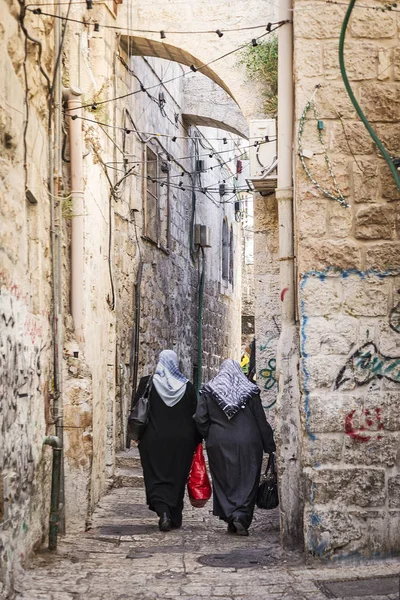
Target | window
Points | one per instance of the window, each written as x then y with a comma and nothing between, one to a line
156,199
225,250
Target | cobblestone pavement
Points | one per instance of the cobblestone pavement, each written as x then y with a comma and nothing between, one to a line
124,556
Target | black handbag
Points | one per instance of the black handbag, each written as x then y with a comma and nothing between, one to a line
267,494
139,415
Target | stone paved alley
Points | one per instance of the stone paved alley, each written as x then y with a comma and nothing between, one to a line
124,556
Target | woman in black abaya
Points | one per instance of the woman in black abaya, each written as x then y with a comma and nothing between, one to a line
169,440
232,420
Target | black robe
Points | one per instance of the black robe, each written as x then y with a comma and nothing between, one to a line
166,450
235,448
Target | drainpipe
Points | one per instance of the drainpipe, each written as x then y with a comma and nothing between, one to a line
55,186
284,192
77,195
288,425
56,444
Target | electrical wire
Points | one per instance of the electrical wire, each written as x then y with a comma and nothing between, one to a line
160,31
193,68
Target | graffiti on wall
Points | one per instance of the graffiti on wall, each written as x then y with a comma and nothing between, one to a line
20,365
266,364
21,349
360,426
366,364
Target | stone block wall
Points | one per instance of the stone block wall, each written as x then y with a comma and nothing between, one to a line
25,295
267,303
348,261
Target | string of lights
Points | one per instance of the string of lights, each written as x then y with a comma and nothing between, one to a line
162,31
169,157
311,105
193,68
173,137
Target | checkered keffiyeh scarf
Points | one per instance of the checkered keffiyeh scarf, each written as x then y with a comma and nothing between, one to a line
230,388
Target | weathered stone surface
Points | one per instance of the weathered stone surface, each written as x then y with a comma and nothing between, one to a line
365,180
327,412
394,491
396,63
365,296
308,60
381,101
364,25
330,99
380,449
320,371
385,63
348,137
329,530
320,296
312,219
361,60
356,486
322,450
326,335
383,256
389,135
339,220
318,24
320,172
388,183
375,222
389,338
319,255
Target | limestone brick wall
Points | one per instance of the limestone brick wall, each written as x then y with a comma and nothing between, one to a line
25,295
267,304
348,261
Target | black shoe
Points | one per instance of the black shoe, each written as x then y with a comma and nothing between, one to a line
231,527
164,524
176,525
240,528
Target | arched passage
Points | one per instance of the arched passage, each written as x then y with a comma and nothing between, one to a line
188,47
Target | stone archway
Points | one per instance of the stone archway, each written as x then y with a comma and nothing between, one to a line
190,48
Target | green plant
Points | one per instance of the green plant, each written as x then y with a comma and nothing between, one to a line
261,64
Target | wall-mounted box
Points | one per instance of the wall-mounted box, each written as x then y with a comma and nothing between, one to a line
202,236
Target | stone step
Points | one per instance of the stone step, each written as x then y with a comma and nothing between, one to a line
124,477
128,459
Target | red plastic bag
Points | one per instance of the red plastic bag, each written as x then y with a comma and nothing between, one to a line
198,485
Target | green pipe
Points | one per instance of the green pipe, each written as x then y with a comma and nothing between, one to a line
200,321
55,443
354,101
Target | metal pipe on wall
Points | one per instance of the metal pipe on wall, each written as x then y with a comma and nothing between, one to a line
288,425
56,443
284,192
77,195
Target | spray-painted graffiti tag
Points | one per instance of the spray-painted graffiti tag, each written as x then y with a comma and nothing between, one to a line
366,364
369,421
269,374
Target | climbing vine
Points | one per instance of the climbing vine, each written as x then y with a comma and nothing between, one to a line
261,64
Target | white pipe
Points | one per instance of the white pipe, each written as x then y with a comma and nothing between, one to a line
77,195
284,192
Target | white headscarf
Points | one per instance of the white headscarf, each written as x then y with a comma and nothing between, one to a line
168,380
231,388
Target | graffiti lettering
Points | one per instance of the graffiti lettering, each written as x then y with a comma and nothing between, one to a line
366,364
371,422
269,374
20,353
